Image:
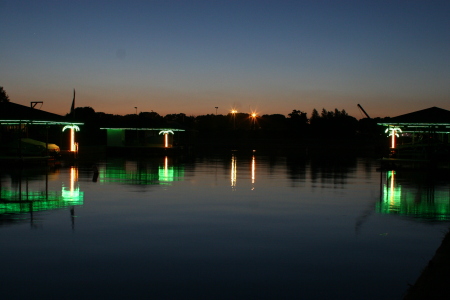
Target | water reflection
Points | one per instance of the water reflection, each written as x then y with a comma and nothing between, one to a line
72,193
322,170
253,171
149,172
233,171
24,191
414,194
286,232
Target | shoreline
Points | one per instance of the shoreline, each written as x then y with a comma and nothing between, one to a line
433,282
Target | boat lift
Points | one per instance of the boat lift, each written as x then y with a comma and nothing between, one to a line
362,109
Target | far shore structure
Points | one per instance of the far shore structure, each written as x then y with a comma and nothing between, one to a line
416,139
420,137
141,137
26,132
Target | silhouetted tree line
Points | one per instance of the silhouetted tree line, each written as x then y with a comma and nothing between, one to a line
3,95
335,124
236,130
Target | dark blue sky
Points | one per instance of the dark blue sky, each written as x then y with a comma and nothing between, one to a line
392,57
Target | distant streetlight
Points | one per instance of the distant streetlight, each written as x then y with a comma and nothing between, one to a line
233,112
253,116
135,109
216,109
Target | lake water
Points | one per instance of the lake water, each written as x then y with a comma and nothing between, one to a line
234,226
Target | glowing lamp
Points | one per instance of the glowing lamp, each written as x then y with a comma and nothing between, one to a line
166,137
72,128
393,133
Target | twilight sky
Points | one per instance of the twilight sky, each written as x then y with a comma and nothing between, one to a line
173,56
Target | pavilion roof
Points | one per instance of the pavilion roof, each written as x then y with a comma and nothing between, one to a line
16,113
429,116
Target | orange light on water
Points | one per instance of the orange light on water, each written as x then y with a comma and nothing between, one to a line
253,169
233,171
393,140
73,178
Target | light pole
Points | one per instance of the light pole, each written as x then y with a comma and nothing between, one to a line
135,109
216,109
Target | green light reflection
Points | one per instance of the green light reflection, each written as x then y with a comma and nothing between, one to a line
422,202
142,174
18,202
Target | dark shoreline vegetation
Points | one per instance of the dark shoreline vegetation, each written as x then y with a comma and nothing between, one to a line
332,132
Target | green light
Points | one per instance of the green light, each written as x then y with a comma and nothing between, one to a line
74,197
141,176
19,202
143,128
421,204
415,124
36,122
166,174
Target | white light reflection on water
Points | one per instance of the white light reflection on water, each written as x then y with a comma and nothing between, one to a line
173,228
233,171
253,171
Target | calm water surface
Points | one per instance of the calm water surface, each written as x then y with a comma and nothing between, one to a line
238,226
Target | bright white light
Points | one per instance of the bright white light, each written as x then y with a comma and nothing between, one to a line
166,132
71,127
393,132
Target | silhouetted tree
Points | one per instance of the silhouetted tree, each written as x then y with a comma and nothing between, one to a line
298,122
274,125
85,114
314,116
3,95
180,118
333,124
147,119
177,120
298,115
90,133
